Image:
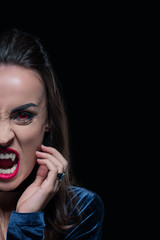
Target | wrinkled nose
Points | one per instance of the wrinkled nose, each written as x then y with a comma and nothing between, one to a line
6,134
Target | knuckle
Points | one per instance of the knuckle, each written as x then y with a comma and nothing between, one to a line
56,171
53,150
65,164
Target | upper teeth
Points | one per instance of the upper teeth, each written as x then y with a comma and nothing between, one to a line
11,156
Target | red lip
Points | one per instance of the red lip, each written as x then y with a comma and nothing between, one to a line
9,175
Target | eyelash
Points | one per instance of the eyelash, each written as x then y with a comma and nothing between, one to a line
26,117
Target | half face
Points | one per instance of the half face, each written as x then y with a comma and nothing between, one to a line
23,122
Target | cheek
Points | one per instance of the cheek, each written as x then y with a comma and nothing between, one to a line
29,139
31,136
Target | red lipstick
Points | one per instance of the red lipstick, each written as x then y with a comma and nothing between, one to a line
9,163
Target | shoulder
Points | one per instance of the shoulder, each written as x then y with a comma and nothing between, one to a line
89,206
86,200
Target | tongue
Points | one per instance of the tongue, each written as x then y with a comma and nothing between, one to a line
6,163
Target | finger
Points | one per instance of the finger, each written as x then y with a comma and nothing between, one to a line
50,181
52,172
50,165
52,159
55,153
41,174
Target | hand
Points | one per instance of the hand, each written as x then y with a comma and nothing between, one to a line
45,186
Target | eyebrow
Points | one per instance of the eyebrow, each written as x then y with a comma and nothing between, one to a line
23,107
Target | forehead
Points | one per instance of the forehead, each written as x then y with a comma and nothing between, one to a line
19,85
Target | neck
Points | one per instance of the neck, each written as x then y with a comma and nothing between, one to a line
8,201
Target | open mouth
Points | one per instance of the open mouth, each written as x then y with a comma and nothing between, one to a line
9,163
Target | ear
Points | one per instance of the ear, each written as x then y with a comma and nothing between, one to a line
47,126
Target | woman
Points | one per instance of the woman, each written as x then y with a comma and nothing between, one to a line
38,197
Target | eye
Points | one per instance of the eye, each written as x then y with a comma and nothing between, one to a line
23,117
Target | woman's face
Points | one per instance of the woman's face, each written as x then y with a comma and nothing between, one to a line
23,122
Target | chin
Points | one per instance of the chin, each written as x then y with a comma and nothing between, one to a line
8,186
17,185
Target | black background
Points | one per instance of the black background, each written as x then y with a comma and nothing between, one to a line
80,43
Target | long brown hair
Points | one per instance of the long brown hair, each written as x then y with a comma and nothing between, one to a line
24,49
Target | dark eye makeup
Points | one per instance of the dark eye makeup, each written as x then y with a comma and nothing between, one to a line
23,117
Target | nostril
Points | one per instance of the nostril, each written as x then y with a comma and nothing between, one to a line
6,141
6,134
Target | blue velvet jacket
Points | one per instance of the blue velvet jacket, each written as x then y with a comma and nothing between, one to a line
29,226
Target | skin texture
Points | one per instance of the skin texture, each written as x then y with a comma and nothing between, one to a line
24,133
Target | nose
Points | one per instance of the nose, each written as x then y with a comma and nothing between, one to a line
6,134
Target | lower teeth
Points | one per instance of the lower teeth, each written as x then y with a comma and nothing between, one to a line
8,171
